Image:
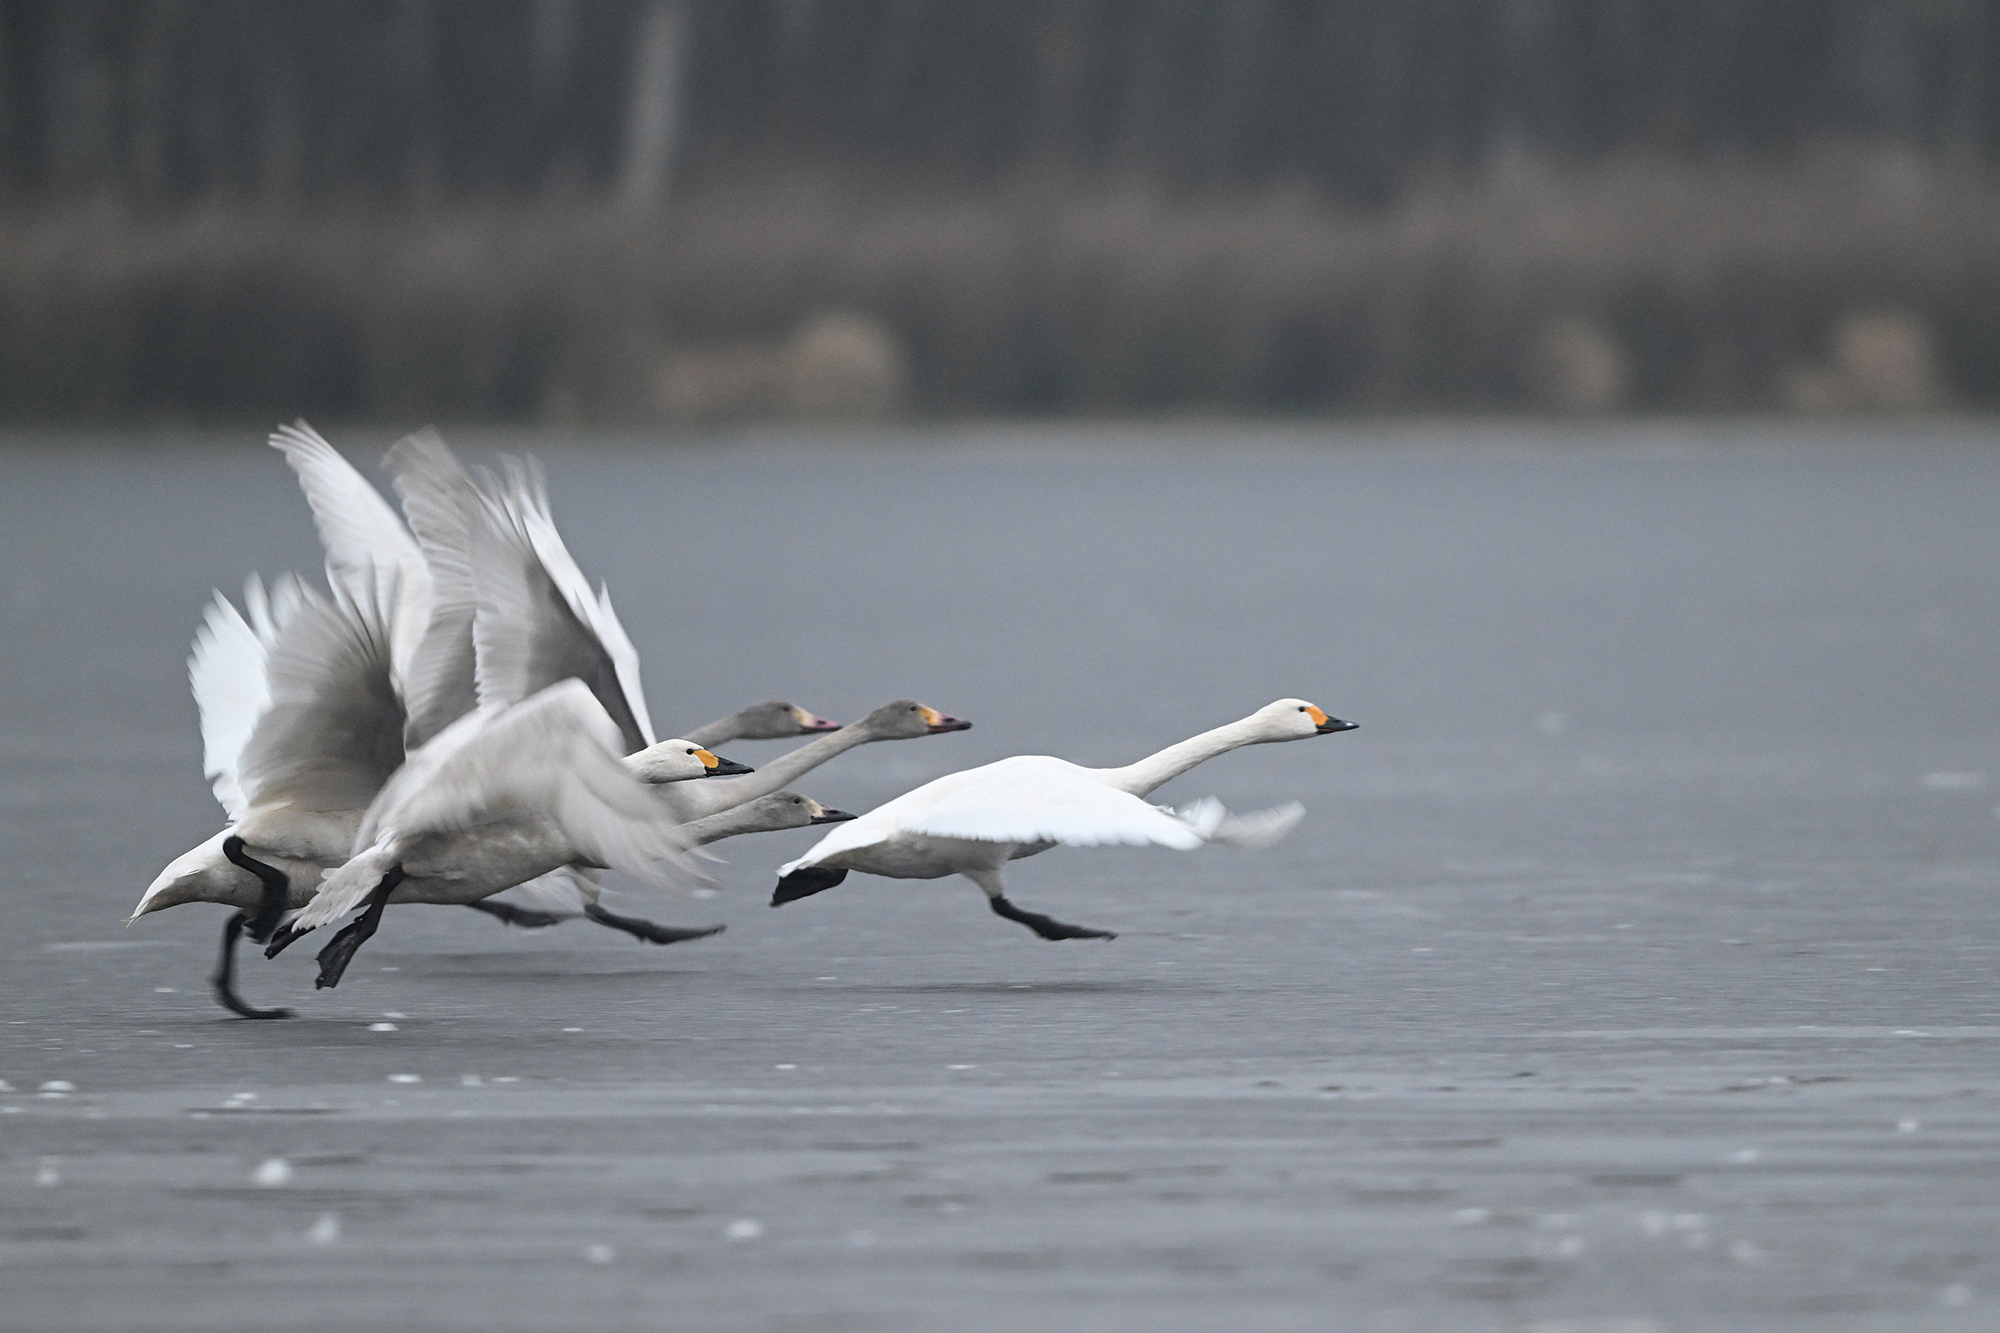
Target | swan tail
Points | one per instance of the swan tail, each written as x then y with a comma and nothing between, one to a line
346,888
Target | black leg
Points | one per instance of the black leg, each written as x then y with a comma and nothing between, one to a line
525,917
333,959
804,884
282,937
646,930
277,890
224,980
1047,926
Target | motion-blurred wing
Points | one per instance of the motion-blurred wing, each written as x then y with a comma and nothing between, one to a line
367,546
441,505
538,622
226,671
333,731
553,756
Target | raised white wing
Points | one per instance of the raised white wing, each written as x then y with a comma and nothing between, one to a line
367,546
553,756
332,731
442,505
538,622
1034,798
226,670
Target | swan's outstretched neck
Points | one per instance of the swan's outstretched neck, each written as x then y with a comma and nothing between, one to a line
1141,778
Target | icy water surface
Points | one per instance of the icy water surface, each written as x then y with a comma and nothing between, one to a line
1633,972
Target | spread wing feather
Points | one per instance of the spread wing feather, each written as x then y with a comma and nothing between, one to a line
538,621
367,546
332,732
554,755
226,671
442,506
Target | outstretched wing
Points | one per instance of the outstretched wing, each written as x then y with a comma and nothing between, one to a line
553,756
538,621
332,732
226,671
442,506
367,546
1034,798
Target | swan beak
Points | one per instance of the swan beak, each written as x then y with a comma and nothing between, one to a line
826,814
812,722
1326,726
718,767
941,722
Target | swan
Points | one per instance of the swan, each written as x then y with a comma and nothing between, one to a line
300,729
972,823
571,630
507,793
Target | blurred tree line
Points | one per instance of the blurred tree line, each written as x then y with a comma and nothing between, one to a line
619,207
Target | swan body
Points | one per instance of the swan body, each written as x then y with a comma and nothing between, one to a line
301,727
973,822
501,796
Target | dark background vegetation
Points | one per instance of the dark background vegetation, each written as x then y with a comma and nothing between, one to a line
690,209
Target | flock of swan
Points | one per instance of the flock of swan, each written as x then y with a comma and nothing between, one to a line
458,714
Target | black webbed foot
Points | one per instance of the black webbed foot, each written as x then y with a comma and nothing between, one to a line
804,884
339,951
282,937
1047,926
224,980
277,889
525,917
647,930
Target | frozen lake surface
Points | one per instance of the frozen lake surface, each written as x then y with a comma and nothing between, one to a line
1634,971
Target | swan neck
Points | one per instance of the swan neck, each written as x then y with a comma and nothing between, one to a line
713,733
705,796
1155,769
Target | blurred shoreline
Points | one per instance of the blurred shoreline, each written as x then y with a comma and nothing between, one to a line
1861,280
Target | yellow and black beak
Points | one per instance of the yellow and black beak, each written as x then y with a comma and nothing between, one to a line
718,767
941,722
1326,726
825,814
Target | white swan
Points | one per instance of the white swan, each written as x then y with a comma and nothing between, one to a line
300,729
552,628
509,792
972,823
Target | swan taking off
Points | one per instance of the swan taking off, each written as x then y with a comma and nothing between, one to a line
502,795
973,823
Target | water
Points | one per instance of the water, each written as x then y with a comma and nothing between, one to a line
1633,970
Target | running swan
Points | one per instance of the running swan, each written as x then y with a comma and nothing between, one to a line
973,823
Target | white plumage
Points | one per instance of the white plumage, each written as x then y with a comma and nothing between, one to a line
972,823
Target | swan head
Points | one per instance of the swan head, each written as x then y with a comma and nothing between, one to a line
906,717
1295,719
775,719
679,761
788,809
